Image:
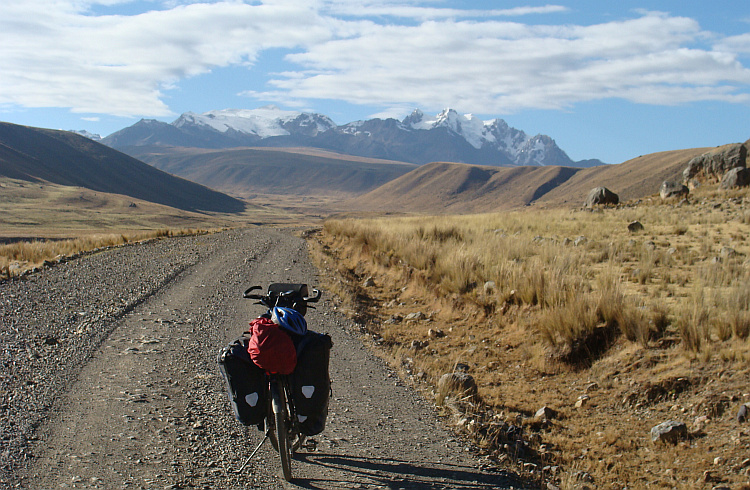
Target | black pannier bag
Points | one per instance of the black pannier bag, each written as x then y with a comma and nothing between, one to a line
311,383
246,383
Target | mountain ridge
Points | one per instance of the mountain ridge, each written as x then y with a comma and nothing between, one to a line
449,136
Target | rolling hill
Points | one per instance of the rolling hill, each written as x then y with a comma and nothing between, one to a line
68,159
461,188
245,172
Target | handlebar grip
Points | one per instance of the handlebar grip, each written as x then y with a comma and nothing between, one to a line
314,298
247,292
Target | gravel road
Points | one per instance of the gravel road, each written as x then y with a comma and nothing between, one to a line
109,379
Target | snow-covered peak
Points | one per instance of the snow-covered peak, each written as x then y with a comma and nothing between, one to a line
264,122
413,119
83,132
475,131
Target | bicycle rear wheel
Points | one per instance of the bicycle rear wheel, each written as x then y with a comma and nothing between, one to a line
282,431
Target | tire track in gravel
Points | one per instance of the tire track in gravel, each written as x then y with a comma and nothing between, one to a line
149,409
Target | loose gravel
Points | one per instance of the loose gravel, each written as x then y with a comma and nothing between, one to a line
109,379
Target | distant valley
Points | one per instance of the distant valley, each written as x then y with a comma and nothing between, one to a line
52,177
245,172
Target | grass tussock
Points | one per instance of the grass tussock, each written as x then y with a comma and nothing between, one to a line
16,258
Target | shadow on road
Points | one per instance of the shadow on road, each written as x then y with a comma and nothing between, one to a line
369,472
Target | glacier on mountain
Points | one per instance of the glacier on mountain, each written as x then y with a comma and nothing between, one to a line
447,136
264,122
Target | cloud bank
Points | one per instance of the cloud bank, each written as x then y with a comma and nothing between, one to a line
72,54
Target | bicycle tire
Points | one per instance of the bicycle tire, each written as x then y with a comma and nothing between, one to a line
282,432
271,432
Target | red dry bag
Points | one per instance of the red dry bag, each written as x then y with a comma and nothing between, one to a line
271,348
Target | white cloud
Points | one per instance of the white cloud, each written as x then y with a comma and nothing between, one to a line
56,56
58,53
501,67
368,8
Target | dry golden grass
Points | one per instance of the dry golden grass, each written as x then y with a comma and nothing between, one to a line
543,305
16,258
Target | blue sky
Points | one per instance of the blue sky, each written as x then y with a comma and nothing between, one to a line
607,80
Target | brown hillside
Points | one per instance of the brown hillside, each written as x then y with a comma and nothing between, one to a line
65,158
633,179
44,210
286,171
462,188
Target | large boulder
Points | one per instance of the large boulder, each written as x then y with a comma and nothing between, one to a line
716,163
736,177
461,385
672,189
601,195
669,431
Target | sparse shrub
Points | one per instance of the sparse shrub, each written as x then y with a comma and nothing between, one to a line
659,321
693,322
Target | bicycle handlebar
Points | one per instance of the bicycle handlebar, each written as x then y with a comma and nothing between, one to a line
307,299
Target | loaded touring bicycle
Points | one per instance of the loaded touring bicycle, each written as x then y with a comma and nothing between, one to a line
277,372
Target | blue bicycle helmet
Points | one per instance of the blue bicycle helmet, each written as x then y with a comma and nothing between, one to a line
289,319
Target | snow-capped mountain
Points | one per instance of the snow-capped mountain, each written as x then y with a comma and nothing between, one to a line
83,132
449,136
265,122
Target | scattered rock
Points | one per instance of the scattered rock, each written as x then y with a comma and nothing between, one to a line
601,196
49,340
545,413
736,177
582,401
415,317
635,226
418,344
669,431
700,422
461,385
395,319
672,189
710,477
742,413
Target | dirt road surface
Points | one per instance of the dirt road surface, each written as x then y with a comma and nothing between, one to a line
110,380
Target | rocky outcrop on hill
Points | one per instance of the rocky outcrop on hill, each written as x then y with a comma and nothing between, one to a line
601,195
736,177
672,189
717,162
